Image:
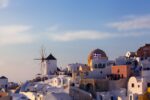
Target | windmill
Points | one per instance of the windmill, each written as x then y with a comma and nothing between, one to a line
42,59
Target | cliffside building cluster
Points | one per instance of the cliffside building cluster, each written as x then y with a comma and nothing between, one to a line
125,78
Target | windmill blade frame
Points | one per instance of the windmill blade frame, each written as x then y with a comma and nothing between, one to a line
37,59
42,59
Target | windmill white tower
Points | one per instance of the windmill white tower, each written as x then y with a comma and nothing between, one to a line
48,64
51,65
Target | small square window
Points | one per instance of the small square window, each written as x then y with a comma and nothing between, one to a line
132,85
118,71
101,72
148,84
95,66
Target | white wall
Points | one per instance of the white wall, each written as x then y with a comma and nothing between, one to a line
146,73
145,63
97,61
30,95
99,72
51,67
96,73
3,82
138,86
120,94
74,67
33,96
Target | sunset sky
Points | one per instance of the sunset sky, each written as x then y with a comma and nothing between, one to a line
69,29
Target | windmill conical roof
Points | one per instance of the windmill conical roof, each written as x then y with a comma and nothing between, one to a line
50,57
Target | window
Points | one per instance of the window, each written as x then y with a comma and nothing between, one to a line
112,98
141,58
118,71
101,72
99,65
6,86
130,97
101,98
87,73
132,85
104,65
148,84
138,86
95,66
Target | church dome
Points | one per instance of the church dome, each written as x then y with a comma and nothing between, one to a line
99,52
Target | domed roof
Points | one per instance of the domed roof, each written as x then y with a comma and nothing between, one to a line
97,51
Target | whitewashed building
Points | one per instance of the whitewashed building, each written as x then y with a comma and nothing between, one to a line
99,64
50,65
74,67
130,54
59,81
121,60
33,95
138,85
119,94
3,82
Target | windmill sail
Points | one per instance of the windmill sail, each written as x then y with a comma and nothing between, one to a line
42,59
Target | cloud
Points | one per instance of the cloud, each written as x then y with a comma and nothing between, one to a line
15,34
90,35
79,35
53,28
132,23
4,3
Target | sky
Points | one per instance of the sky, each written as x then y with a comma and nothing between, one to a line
69,29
